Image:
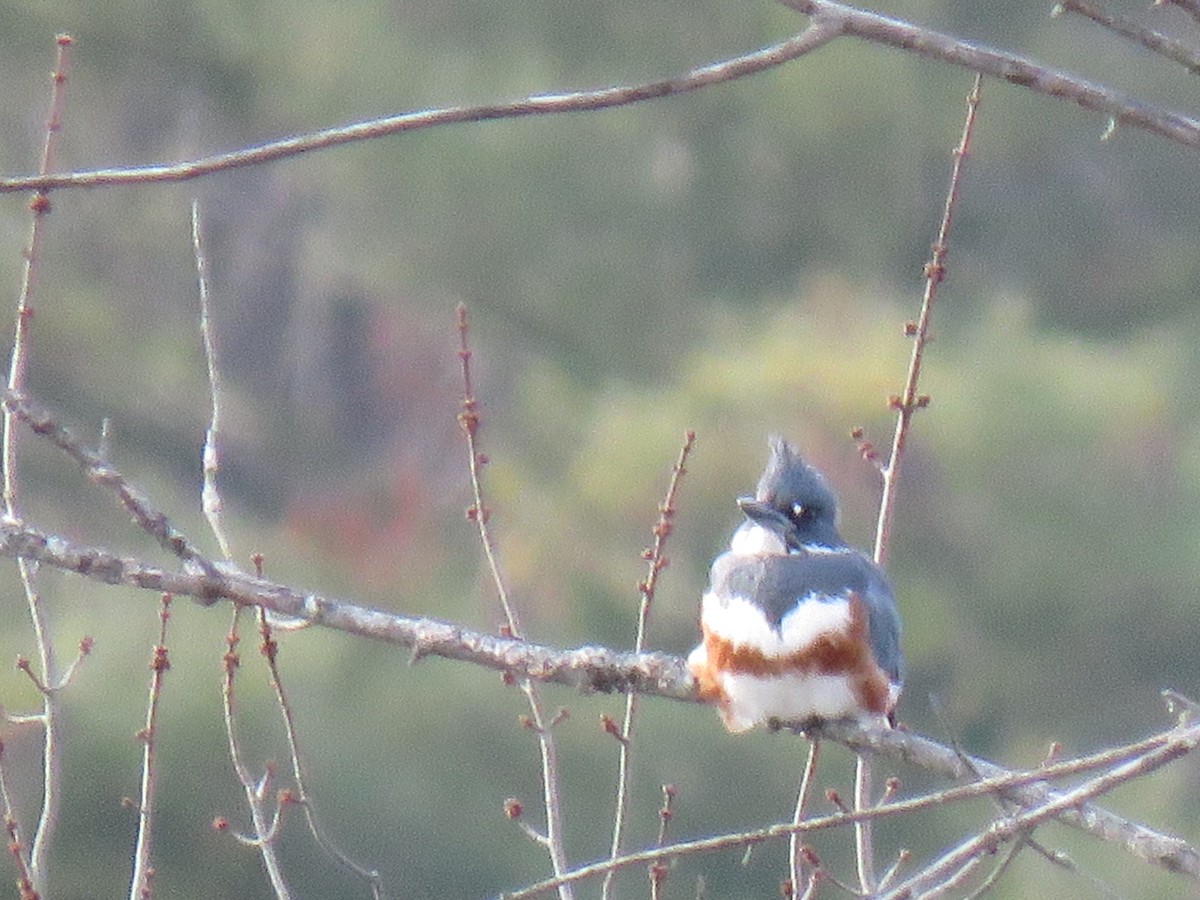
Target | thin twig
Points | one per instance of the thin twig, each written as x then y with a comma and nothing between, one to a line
255,790
141,884
13,841
40,685
270,651
39,206
656,561
210,496
658,869
743,839
99,471
470,421
812,885
82,651
909,401
795,857
893,871
212,504
1118,766
1152,40
864,837
998,870
1182,742
906,405
479,513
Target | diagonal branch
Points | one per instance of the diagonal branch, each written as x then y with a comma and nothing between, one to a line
1156,41
1114,766
923,883
98,470
1191,7
1001,65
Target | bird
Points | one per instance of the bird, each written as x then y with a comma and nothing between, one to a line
797,626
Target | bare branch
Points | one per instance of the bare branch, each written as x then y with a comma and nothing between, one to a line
1003,66
98,470
541,104
141,883
52,744
1147,754
470,421
586,668
657,561
829,21
265,830
1167,852
210,494
1159,43
1182,742
1191,7
907,403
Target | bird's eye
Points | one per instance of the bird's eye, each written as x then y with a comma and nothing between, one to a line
800,512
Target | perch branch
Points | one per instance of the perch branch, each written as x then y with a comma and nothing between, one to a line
585,668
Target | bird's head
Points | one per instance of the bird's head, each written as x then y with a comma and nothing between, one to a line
792,504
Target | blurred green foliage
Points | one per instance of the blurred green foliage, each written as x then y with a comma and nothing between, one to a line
736,261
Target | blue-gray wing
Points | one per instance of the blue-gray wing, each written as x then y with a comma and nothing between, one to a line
775,584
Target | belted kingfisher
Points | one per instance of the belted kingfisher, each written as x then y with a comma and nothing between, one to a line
797,625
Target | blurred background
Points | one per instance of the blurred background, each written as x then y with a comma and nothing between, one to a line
738,261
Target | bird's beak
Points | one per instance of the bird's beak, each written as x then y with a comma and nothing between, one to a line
764,514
